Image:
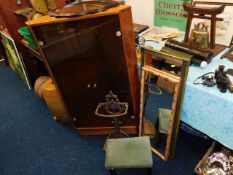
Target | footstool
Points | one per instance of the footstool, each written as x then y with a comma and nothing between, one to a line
132,152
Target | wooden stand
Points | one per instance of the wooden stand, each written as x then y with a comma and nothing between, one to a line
228,54
217,49
200,12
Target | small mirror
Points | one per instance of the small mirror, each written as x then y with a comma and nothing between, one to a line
158,106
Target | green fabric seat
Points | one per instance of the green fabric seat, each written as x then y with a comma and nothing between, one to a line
164,118
132,152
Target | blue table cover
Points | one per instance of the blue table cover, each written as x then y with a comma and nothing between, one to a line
206,108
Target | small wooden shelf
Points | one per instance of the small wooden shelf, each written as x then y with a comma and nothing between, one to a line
31,50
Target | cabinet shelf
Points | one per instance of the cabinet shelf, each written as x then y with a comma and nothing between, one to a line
31,50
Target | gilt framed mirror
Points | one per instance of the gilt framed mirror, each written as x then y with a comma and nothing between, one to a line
163,78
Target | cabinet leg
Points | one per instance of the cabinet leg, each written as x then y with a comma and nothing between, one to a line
149,171
112,172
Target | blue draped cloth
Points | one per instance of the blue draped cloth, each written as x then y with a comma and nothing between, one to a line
206,108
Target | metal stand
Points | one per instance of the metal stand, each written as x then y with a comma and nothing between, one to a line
117,133
113,108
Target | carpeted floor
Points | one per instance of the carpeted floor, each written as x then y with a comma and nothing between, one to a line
32,143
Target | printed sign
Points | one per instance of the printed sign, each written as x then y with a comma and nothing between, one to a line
170,13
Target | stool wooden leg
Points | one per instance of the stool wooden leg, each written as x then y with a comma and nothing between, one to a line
112,172
149,171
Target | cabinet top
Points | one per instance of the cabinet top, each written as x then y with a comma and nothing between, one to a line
48,19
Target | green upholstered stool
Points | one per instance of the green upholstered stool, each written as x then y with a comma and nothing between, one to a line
132,152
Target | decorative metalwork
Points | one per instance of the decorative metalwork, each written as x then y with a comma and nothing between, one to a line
113,108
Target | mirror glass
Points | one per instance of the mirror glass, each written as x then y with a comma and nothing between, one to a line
163,77
159,91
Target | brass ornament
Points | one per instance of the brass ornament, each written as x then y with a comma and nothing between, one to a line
199,37
40,6
51,4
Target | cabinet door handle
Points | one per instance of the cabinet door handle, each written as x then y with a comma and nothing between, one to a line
118,33
41,43
18,2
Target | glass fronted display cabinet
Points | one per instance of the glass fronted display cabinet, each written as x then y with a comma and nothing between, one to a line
92,62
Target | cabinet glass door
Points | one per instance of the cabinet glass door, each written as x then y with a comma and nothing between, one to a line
86,58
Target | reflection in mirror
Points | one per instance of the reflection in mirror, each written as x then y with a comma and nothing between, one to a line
159,93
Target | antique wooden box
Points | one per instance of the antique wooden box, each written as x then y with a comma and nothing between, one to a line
87,57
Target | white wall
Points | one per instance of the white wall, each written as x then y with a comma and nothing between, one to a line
142,11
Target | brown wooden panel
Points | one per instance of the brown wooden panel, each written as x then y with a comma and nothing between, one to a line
60,3
130,56
13,22
48,20
105,130
3,24
2,27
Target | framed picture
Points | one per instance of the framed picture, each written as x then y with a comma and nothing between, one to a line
224,30
212,1
13,57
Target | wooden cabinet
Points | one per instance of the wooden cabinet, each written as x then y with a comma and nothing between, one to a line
2,27
87,57
10,22
2,24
